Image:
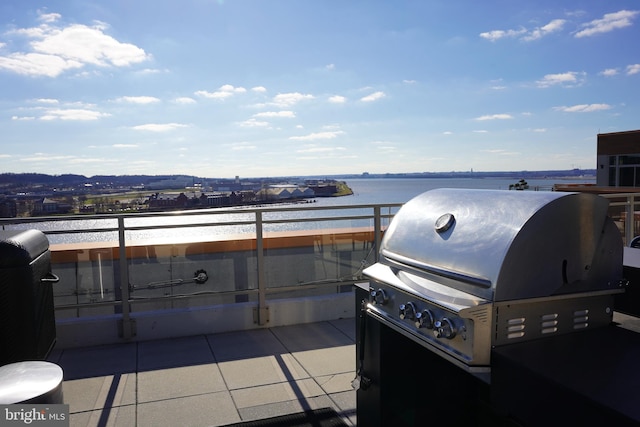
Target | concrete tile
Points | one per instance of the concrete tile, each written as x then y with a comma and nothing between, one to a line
245,345
310,336
346,404
347,326
179,382
171,353
120,416
273,393
98,361
284,408
261,371
328,361
336,383
214,409
87,394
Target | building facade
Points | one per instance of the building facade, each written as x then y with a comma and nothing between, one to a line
619,159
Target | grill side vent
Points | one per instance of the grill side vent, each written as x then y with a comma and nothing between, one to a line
581,319
516,328
481,315
549,323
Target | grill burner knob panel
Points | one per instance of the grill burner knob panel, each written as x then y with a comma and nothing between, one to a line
407,311
445,328
424,319
379,297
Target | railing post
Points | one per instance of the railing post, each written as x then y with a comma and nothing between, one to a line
127,330
261,315
629,225
377,231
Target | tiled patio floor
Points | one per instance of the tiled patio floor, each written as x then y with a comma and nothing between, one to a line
213,380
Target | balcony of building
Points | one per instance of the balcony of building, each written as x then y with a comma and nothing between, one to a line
215,317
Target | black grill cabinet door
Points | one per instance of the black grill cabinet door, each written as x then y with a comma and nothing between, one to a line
27,319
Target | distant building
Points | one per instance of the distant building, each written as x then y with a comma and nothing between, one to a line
618,159
8,208
285,192
195,199
47,206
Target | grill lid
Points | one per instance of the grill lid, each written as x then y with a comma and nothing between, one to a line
505,245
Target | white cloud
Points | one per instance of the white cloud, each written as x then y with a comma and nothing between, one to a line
36,64
48,17
160,127
148,71
223,92
184,100
331,67
568,79
39,157
609,72
609,22
47,101
125,146
501,34
633,69
138,99
24,118
337,99
551,27
89,46
269,114
584,108
373,97
253,123
314,149
260,89
56,49
73,114
525,34
494,117
317,135
289,99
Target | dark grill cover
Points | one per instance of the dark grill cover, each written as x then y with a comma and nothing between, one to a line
27,319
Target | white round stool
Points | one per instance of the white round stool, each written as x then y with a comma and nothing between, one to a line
35,381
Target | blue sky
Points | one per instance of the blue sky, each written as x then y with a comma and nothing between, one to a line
219,88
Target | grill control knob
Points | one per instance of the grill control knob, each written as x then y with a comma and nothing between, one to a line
408,311
379,297
444,328
424,319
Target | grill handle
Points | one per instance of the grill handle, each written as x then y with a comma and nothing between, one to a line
50,278
360,382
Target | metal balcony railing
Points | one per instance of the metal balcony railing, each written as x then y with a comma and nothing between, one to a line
110,242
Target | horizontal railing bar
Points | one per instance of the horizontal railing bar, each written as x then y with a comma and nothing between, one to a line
335,218
206,211
137,300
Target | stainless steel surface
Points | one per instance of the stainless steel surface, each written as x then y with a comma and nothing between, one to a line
31,382
537,243
462,271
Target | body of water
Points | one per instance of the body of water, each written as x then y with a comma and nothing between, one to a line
365,192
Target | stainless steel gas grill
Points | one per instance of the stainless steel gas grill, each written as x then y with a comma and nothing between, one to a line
463,272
